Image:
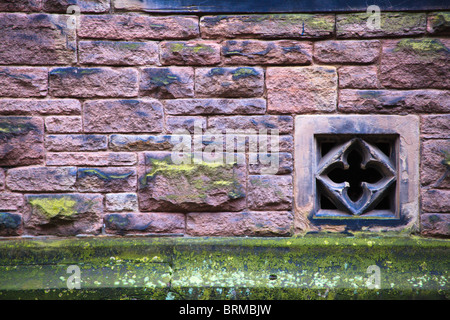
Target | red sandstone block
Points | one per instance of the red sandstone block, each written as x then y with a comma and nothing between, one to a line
255,52
358,77
76,142
17,82
167,186
145,223
415,63
97,6
190,53
239,82
36,39
394,101
20,5
21,141
10,224
63,124
39,107
102,159
128,27
267,223
435,224
167,83
41,179
247,124
75,214
301,89
268,26
271,163
215,106
106,179
398,24
347,51
436,200
435,126
270,192
438,23
93,82
185,123
117,202
10,201
433,170
118,53
109,115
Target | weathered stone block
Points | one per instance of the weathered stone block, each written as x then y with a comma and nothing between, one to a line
435,126
167,186
415,63
118,53
10,224
109,116
245,223
189,124
63,214
167,83
270,192
36,39
215,106
358,77
127,27
106,179
240,82
97,6
436,200
121,202
435,224
268,26
63,124
75,142
39,107
255,52
190,53
347,51
93,82
41,179
355,25
301,89
434,171
10,201
20,5
271,163
121,142
246,124
104,159
438,23
147,223
17,82
394,102
21,141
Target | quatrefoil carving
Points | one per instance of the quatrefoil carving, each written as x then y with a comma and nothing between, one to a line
372,192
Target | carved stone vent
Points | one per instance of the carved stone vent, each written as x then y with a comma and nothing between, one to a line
356,177
357,172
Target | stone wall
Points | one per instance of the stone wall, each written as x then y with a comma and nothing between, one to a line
87,112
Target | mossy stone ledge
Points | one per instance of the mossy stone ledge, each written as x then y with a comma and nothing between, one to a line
316,266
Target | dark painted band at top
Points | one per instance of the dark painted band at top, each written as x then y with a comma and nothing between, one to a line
286,6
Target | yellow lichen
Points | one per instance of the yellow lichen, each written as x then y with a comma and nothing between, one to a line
52,207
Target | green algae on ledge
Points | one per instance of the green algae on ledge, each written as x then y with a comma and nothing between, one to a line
309,267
